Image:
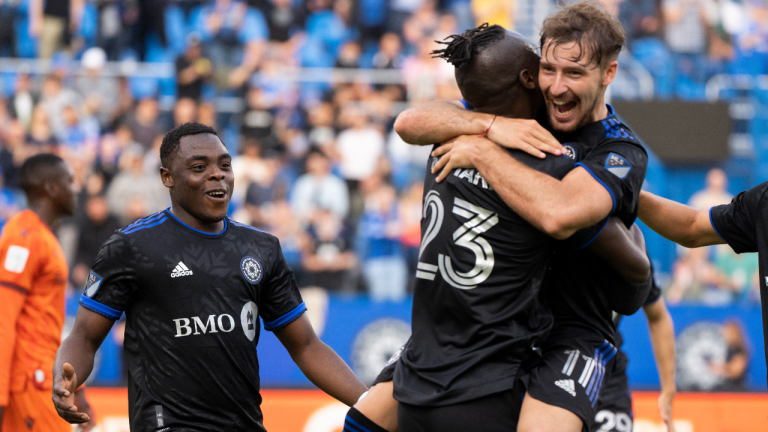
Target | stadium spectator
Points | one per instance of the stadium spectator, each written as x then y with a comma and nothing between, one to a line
257,118
184,111
321,121
40,133
146,124
494,12
695,279
641,19
55,23
94,227
234,36
389,55
95,87
739,273
714,193
55,97
733,371
685,28
248,167
112,27
328,257
284,20
318,190
379,236
9,202
193,70
22,102
359,147
8,12
135,193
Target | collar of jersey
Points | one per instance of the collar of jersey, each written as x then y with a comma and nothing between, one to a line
226,225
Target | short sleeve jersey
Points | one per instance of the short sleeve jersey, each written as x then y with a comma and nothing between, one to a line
192,301
476,312
33,279
577,283
742,225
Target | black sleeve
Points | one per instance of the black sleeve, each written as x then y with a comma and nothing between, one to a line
620,167
280,300
112,282
735,222
583,237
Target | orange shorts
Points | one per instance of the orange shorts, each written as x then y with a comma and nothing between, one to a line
32,411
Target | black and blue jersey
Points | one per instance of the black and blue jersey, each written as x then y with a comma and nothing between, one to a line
578,282
742,225
192,302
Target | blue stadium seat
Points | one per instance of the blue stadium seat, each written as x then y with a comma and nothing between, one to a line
176,29
89,25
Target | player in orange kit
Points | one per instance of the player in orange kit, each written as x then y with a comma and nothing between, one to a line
33,277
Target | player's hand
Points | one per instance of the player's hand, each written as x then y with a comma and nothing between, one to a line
84,407
458,153
665,409
526,135
64,388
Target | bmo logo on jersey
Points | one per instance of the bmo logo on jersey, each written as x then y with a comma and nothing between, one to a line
196,326
249,320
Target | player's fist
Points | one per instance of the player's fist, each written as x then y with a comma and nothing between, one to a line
64,386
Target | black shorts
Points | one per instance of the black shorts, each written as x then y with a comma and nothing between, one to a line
572,375
497,412
614,409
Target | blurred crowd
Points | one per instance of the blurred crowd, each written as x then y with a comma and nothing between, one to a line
714,276
316,160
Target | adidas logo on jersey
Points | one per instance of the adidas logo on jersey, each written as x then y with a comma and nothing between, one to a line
181,270
567,385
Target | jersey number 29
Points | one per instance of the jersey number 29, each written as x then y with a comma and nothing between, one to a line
467,236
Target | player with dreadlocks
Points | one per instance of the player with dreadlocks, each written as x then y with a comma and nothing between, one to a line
476,315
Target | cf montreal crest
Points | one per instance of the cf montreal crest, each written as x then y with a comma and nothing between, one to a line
251,269
570,151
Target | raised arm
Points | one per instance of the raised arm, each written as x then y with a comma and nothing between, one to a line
677,222
662,331
319,362
440,121
74,362
556,207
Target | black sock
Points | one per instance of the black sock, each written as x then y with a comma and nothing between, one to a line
357,422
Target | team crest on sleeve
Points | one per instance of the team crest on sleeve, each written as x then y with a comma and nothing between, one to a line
617,165
251,269
570,151
92,284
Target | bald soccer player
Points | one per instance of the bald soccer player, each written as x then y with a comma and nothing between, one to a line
33,277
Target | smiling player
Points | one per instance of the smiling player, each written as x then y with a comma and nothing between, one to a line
192,284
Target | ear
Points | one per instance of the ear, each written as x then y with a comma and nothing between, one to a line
527,79
610,73
165,175
51,188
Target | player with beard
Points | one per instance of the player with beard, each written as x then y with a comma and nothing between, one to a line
193,284
580,45
442,366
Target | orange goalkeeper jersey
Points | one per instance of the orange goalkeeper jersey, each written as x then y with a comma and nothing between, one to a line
33,277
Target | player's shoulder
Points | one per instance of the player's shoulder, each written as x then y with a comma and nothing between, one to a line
144,226
246,231
26,228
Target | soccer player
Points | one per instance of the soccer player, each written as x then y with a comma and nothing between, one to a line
614,410
33,278
459,362
742,225
580,44
193,284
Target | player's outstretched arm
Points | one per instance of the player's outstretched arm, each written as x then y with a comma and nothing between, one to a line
74,362
440,121
319,362
677,222
556,207
662,331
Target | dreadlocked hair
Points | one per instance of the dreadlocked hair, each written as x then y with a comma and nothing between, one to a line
459,48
